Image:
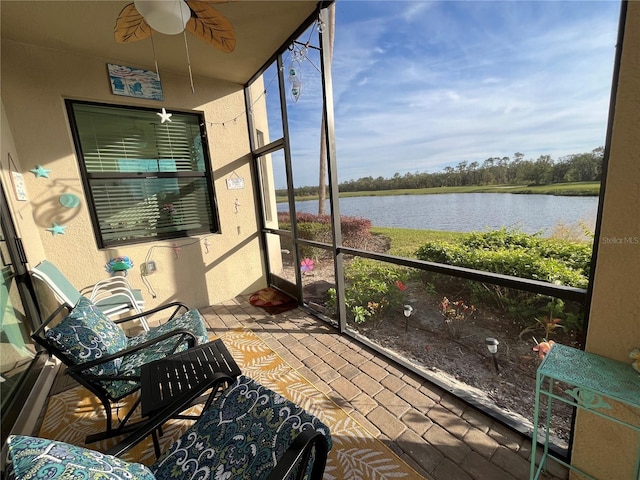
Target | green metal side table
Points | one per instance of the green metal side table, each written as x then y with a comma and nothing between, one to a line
592,379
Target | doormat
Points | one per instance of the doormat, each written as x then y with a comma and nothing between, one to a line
273,301
356,453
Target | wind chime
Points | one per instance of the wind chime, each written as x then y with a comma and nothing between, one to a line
295,71
298,56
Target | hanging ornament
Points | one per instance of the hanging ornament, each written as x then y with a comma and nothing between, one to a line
164,116
298,55
296,90
295,79
40,171
294,70
206,245
176,249
57,229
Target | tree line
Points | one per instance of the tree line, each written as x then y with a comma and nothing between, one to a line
579,167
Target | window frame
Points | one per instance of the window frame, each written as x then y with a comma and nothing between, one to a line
212,226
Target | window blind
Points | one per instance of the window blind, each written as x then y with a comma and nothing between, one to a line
146,179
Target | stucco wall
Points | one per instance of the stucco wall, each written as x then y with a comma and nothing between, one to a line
601,447
21,211
35,82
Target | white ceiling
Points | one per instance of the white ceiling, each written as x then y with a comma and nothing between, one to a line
86,26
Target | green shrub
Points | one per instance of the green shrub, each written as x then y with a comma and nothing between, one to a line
372,290
512,252
574,255
518,262
319,232
518,254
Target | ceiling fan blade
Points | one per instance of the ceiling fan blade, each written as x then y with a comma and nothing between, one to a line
210,25
130,26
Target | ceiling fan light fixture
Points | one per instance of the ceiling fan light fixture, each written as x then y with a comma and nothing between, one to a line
165,16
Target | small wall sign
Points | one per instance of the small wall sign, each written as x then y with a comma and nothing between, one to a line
235,183
18,185
17,180
134,82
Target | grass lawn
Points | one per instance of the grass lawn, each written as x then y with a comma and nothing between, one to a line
575,188
405,241
566,189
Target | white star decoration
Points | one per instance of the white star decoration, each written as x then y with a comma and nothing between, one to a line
164,116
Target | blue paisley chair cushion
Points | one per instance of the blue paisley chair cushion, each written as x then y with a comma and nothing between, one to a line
86,334
191,321
241,436
32,458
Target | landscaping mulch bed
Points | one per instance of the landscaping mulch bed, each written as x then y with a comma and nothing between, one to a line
463,361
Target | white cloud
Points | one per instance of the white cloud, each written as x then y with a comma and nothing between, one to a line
422,85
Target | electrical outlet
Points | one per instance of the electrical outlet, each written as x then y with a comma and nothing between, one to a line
147,268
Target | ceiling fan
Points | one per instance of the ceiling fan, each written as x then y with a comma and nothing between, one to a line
137,20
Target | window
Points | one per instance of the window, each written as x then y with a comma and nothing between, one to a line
144,179
266,179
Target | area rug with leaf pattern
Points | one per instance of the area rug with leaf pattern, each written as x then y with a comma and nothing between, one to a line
356,455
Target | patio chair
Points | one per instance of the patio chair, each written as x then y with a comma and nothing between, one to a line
249,432
100,356
114,295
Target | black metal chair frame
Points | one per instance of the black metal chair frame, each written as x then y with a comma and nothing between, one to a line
299,453
92,382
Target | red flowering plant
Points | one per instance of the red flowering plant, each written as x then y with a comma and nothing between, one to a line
455,314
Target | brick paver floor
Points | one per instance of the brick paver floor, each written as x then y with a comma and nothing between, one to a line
440,436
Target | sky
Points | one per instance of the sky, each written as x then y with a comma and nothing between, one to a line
422,85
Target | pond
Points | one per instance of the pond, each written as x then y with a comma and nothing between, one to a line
466,212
